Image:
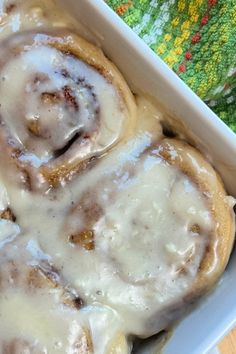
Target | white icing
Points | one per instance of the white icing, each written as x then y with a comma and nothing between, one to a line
8,232
94,112
3,197
142,237
55,329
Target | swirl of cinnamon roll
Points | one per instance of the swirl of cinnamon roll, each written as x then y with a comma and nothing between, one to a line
158,228
42,314
34,293
62,104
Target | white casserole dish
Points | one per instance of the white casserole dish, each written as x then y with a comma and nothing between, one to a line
144,71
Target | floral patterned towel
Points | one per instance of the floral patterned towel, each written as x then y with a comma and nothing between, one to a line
197,39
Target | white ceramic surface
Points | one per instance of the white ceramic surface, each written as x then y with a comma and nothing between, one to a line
144,71
214,351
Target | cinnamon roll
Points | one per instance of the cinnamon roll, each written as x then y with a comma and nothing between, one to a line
47,316
159,229
63,103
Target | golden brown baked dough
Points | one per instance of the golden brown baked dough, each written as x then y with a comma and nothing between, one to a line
221,237
78,88
119,199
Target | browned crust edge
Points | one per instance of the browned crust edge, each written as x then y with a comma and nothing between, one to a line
221,238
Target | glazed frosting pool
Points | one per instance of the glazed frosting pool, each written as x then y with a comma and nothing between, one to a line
110,252
64,99
142,232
